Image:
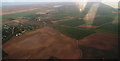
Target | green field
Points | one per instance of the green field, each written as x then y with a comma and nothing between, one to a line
106,15
9,17
111,28
73,32
73,23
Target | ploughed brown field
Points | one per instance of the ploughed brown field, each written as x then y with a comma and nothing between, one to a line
46,42
87,26
102,41
42,44
100,44
19,8
19,11
12,21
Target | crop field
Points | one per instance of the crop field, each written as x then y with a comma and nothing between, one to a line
111,28
73,32
106,15
8,17
73,22
60,30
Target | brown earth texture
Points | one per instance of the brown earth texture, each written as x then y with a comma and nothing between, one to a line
41,44
46,42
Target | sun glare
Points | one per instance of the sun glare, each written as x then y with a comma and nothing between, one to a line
82,4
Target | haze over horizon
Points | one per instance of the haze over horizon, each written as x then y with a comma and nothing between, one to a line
112,3
56,0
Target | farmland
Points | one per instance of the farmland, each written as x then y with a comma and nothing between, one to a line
72,23
59,30
73,32
111,28
9,17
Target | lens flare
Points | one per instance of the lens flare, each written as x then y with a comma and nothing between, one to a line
82,4
91,14
115,21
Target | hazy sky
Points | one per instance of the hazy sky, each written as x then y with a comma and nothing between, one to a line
113,3
53,0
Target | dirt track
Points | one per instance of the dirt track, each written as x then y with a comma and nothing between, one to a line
41,44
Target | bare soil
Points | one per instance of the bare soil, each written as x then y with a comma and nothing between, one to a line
41,44
87,26
102,41
16,21
66,19
46,42
20,8
19,11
